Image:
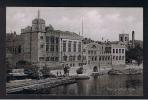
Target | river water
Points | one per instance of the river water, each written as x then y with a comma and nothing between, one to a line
105,85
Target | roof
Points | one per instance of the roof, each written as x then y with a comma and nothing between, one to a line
37,20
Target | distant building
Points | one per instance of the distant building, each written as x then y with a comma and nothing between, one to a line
41,44
124,38
104,54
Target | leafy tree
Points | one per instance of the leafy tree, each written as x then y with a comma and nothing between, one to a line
134,54
23,63
79,70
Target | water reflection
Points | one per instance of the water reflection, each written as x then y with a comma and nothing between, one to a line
105,85
116,85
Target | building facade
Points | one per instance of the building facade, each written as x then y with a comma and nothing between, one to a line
104,54
41,44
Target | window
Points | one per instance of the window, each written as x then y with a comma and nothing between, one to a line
89,52
56,58
41,37
52,39
121,39
95,58
41,46
64,46
19,49
52,48
74,46
74,58
113,50
122,57
116,57
119,57
69,46
95,52
103,58
70,58
57,40
92,58
122,50
47,47
47,39
41,58
100,58
116,50
79,57
113,57
119,50
47,59
125,38
65,58
108,57
79,47
57,48
52,59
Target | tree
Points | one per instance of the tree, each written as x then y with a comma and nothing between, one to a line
134,54
79,70
23,63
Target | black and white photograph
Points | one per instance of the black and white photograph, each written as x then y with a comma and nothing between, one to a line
74,51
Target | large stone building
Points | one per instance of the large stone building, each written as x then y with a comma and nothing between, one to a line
41,44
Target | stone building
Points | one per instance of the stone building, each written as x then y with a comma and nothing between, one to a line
124,38
41,44
104,54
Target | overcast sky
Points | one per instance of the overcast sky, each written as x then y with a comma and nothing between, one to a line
98,22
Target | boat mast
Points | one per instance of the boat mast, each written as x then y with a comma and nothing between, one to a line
82,41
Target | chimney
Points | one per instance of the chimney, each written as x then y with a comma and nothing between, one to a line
133,39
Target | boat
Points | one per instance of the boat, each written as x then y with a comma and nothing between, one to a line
81,77
134,72
115,72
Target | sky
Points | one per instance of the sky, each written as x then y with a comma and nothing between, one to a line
98,22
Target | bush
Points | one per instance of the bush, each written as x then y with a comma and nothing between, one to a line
79,70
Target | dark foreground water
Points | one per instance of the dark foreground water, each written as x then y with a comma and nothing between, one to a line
117,85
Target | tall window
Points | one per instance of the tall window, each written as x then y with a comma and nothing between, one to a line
119,50
52,39
65,58
119,57
116,50
47,39
56,58
19,49
69,46
100,58
57,40
79,57
57,48
74,57
64,46
113,57
79,47
116,57
95,58
122,50
47,47
74,46
122,57
52,48
41,37
70,58
41,46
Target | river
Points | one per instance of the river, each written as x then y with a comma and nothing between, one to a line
105,85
